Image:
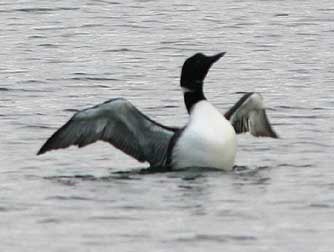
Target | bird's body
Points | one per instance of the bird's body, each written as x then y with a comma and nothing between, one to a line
207,140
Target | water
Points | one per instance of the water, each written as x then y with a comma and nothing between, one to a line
60,56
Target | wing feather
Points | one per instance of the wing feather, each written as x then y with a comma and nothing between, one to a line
119,123
249,115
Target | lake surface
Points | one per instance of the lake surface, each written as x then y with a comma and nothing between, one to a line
60,56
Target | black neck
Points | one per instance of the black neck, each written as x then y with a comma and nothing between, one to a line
191,98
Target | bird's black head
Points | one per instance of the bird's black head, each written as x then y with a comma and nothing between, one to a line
195,69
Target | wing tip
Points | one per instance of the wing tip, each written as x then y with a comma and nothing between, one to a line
43,149
267,133
271,135
275,135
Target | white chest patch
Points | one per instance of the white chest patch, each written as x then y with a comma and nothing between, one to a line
209,140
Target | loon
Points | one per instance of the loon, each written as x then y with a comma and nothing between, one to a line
207,140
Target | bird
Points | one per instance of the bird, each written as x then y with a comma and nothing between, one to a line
207,140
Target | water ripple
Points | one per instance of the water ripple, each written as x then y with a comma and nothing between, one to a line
216,238
62,54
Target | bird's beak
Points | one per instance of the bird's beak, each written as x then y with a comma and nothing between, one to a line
216,57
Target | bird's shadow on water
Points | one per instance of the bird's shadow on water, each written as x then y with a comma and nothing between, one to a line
187,174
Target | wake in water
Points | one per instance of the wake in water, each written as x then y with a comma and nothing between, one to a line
190,173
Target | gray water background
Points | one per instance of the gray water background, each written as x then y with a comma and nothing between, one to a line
60,56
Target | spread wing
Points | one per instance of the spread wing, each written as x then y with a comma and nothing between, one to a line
249,115
119,123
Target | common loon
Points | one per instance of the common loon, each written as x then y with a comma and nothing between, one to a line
207,140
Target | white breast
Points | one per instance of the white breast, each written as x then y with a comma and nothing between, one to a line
208,140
